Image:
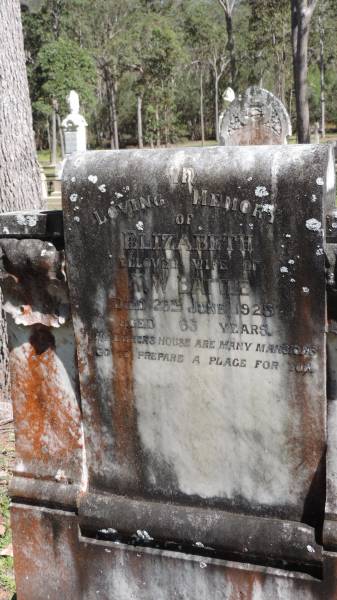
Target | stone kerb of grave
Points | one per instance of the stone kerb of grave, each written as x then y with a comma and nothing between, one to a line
196,283
257,117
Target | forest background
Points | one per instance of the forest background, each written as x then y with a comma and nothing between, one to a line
153,72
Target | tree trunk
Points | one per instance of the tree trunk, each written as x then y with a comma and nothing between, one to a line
228,7
216,93
157,126
56,11
166,128
231,48
301,13
20,182
283,67
140,120
291,104
322,75
48,136
114,115
53,158
202,124
60,130
111,96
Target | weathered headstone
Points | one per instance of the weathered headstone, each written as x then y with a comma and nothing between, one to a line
197,294
74,127
196,281
257,117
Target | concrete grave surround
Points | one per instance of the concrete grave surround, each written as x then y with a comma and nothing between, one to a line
196,281
257,117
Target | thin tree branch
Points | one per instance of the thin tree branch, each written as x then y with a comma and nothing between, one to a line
227,6
307,8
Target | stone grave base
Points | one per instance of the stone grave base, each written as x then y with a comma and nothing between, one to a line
53,559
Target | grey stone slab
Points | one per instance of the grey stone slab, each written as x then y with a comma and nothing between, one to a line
32,224
197,282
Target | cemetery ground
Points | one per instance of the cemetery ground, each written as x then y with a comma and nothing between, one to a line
7,454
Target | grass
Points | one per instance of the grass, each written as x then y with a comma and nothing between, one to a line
7,582
44,155
7,457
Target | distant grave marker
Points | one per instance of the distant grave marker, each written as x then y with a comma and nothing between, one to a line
74,127
257,117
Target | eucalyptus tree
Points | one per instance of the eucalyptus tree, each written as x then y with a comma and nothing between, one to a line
228,6
103,28
160,56
301,15
207,44
20,180
323,63
267,45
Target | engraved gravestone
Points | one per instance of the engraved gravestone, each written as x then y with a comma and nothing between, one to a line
257,117
196,282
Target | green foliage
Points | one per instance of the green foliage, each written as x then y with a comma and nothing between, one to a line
323,26
314,92
6,562
160,51
62,65
205,32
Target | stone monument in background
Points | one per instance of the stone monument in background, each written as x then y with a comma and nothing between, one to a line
74,127
253,118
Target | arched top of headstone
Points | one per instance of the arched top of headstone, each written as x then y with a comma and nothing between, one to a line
254,118
74,102
74,127
228,95
74,120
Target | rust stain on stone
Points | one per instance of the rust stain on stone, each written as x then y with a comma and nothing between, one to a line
123,410
254,135
245,584
46,554
307,430
41,406
24,529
